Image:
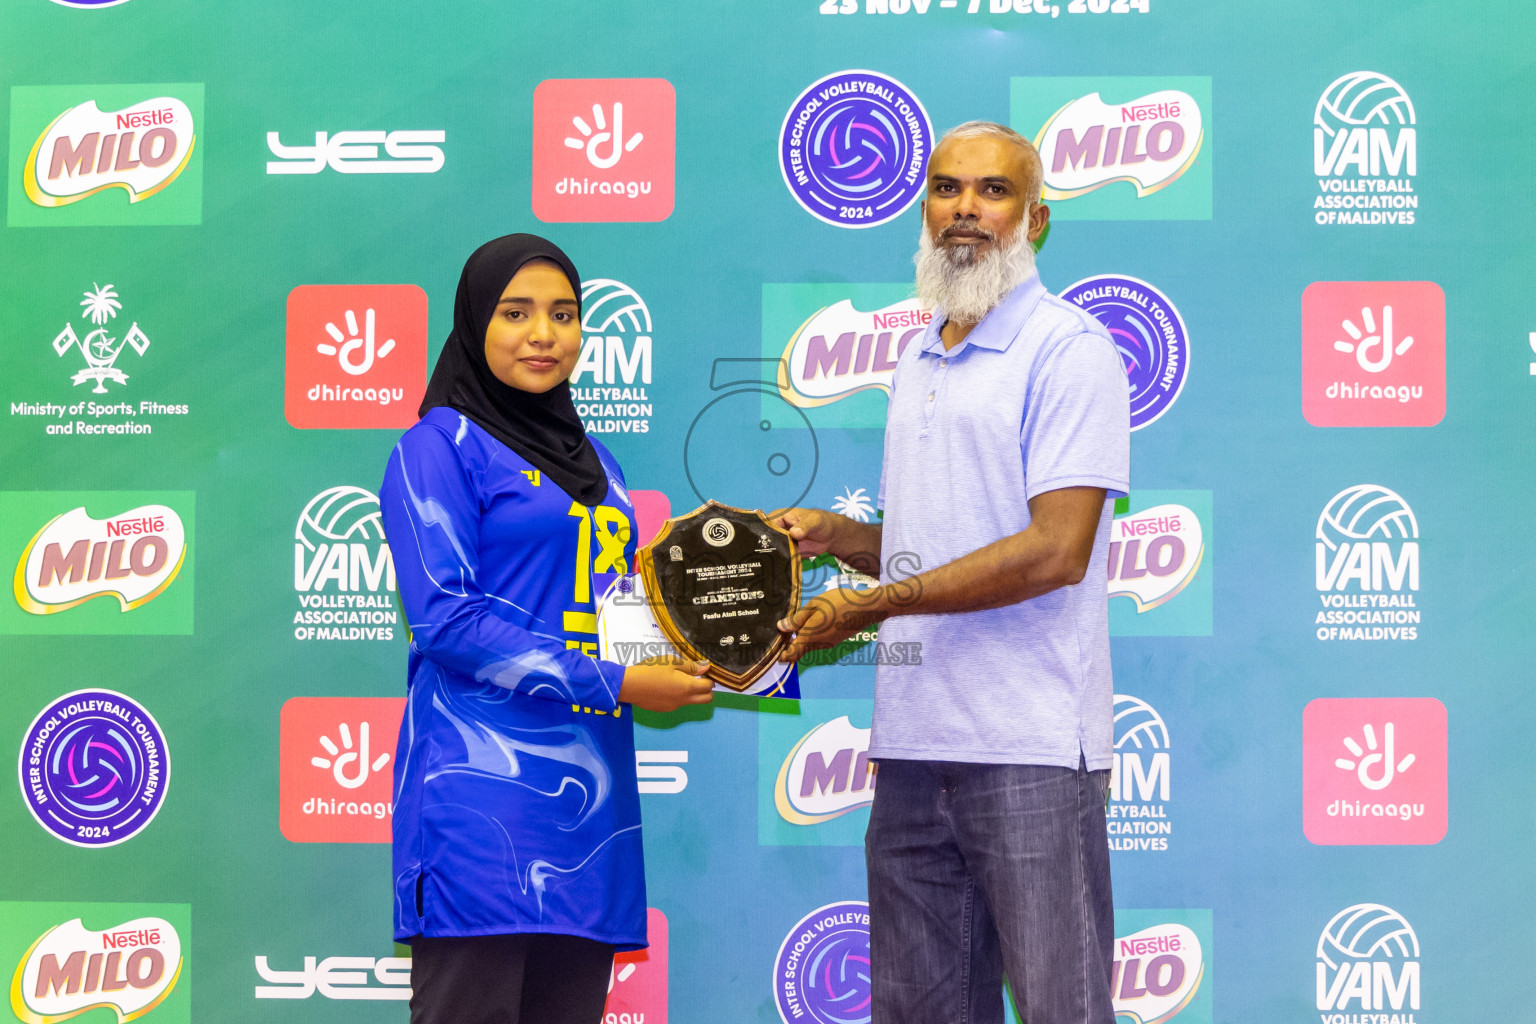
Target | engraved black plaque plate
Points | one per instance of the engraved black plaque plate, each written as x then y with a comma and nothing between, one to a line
719,580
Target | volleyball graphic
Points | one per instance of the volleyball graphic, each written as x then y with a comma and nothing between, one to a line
608,305
1138,725
340,514
1363,98
1366,512
1364,931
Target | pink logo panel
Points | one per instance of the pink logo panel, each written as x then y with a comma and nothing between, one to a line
1374,771
1373,354
356,356
337,767
603,149
637,988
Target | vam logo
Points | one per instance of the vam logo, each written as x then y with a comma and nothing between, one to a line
1139,785
122,145
1373,353
1367,566
356,356
616,352
131,559
603,149
1367,961
826,775
342,569
1374,771
357,152
1365,152
1120,148
70,970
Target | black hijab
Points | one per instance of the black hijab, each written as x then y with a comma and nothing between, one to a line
544,429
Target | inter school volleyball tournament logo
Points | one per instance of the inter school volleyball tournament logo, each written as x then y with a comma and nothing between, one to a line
1373,353
1365,152
1139,786
94,768
1120,148
343,570
1367,962
1374,771
1160,566
356,356
603,149
1149,334
1367,561
335,775
68,969
821,974
611,384
1162,967
77,571
113,150
854,149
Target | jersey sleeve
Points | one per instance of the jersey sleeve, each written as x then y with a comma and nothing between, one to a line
1077,420
431,512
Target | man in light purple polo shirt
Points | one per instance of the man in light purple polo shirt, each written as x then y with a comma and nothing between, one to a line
1008,434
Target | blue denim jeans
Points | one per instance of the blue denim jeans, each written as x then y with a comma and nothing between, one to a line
977,870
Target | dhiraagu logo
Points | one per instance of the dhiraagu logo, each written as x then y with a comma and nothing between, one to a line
106,155
1161,566
815,780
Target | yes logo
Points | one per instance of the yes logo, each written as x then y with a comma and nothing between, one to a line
1374,771
96,155
132,550
405,152
603,149
1367,566
135,966
815,780
1120,148
1373,354
357,356
335,784
1367,960
1160,565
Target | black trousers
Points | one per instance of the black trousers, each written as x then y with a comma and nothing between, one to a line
509,979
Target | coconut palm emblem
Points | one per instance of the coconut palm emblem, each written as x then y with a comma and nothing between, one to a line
100,349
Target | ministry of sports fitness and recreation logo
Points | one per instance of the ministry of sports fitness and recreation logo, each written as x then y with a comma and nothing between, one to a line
1368,963
1160,565
134,966
356,356
854,149
342,569
1148,333
335,774
77,571
1374,771
1365,152
357,152
107,154
1139,785
612,381
1367,561
1162,967
1120,148
1373,353
94,768
603,149
821,974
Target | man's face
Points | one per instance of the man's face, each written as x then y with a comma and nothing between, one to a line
980,191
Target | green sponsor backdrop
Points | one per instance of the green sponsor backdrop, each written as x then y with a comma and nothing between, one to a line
210,295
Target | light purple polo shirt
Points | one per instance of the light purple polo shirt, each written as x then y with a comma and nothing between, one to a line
1033,400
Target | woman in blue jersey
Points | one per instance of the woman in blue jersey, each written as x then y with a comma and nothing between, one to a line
517,857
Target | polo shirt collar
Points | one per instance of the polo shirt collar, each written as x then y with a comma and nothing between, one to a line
998,328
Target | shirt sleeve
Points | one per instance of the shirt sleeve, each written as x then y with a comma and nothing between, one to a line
1077,423
431,512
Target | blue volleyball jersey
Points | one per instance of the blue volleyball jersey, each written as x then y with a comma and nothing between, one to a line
516,803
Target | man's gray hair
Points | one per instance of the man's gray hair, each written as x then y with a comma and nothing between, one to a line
991,129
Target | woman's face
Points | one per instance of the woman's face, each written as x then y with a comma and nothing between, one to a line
535,334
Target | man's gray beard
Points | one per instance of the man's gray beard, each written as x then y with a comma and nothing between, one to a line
967,288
